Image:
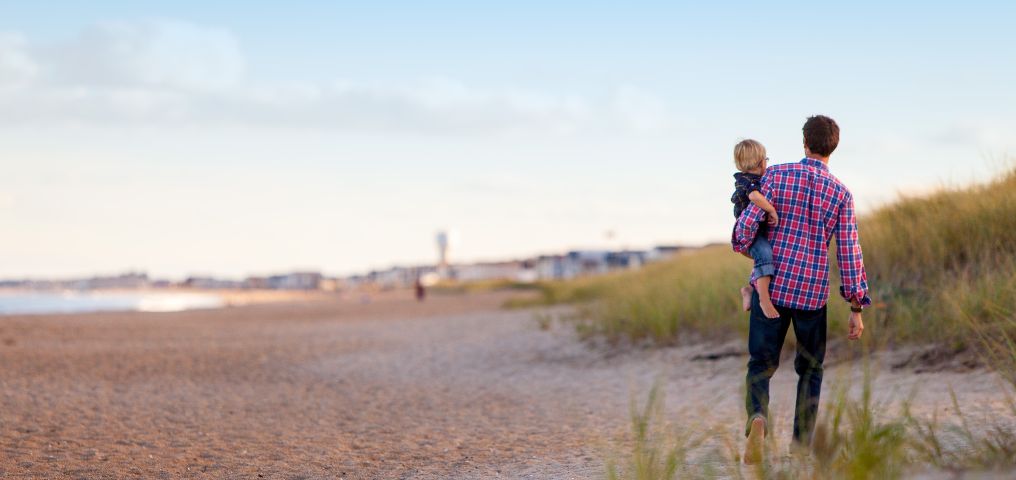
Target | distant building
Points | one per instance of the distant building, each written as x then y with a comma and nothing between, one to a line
512,270
626,259
210,283
256,283
296,281
574,263
661,252
398,277
550,267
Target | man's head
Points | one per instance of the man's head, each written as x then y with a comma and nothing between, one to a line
821,135
750,156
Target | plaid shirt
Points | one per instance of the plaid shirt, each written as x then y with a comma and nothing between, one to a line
813,206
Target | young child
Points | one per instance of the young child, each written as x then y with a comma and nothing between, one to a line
750,158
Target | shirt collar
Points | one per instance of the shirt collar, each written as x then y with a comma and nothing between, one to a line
815,163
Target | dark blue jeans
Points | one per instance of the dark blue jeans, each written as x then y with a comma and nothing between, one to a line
765,341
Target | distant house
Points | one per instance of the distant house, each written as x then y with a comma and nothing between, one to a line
511,270
396,277
626,259
586,262
550,267
256,283
296,281
661,252
210,283
125,281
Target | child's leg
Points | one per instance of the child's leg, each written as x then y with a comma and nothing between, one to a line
762,252
746,297
763,297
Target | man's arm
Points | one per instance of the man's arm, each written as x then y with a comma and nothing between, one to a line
854,287
757,198
746,228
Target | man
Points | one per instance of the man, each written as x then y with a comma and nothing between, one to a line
813,207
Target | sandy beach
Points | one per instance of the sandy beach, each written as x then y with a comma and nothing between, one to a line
336,388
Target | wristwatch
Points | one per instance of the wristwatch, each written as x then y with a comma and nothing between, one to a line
856,308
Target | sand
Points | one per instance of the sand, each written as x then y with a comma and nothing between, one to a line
333,388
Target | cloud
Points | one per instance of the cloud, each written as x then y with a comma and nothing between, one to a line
156,54
640,109
169,72
991,136
16,63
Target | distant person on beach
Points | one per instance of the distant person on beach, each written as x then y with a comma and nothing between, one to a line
814,207
420,290
750,159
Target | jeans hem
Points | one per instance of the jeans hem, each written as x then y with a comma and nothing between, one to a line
764,270
747,426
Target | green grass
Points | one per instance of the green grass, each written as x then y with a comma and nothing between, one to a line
942,268
855,438
656,452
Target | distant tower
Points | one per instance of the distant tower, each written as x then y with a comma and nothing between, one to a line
446,240
443,241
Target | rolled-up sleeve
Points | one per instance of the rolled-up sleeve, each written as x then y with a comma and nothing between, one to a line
746,228
848,256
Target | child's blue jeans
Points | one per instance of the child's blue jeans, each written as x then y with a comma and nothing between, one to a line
762,252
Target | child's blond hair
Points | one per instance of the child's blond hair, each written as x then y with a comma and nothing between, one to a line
748,154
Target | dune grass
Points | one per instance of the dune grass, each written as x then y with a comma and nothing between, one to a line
942,268
855,438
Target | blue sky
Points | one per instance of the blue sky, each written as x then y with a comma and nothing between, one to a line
235,138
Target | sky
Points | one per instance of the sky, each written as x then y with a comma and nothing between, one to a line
186,138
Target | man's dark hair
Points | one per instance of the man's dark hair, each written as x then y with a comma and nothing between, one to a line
821,135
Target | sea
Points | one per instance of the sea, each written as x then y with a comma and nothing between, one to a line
29,303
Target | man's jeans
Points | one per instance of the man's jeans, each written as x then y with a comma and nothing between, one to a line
765,340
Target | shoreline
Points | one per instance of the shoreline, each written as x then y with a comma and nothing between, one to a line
154,300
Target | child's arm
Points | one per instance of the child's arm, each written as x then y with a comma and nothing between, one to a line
757,198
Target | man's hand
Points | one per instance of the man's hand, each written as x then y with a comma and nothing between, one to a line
772,219
856,326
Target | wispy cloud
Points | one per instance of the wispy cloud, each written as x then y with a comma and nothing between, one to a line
17,67
170,72
992,136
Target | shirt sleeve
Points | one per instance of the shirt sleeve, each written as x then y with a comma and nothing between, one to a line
747,224
848,255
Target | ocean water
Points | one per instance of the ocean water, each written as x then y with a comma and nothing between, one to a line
21,303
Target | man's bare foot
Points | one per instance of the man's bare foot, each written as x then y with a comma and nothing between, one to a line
756,441
746,297
768,308
799,450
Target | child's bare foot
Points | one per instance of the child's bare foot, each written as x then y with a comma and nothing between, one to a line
746,297
768,308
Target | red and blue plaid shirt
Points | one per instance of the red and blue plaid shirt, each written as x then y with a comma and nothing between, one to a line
813,207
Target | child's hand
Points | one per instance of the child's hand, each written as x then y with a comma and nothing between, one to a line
773,219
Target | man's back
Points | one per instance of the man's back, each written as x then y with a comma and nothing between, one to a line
813,207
